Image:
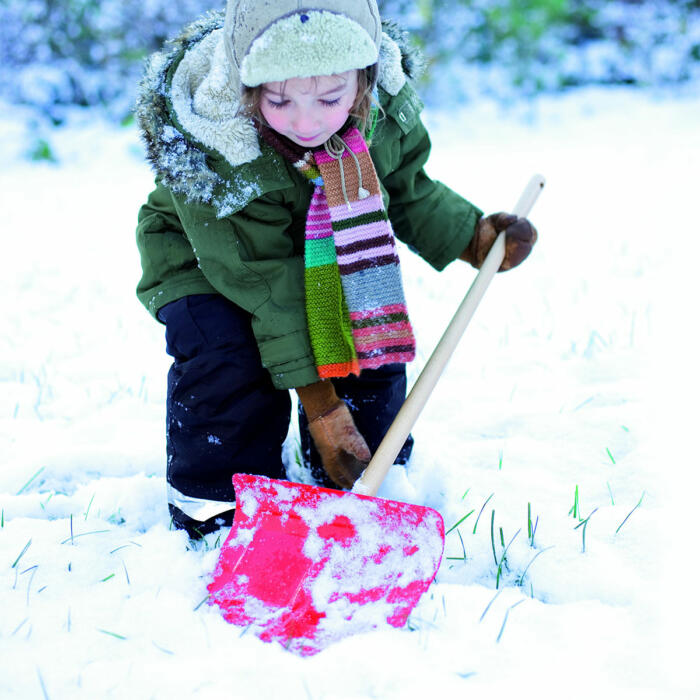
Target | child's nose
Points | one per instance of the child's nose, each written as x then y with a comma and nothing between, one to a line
304,121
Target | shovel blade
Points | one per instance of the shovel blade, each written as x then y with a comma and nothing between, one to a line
306,566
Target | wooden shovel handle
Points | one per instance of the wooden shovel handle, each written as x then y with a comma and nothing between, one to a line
393,441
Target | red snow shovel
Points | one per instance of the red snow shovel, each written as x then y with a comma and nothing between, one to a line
306,566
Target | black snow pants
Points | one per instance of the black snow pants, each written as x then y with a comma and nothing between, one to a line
224,416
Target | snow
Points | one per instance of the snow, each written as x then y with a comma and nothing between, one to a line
578,370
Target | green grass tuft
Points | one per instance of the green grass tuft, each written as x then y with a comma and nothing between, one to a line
502,562
575,510
42,151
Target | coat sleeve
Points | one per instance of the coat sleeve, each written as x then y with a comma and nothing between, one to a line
250,257
169,267
427,215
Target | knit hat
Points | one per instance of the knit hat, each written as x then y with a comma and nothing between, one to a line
275,40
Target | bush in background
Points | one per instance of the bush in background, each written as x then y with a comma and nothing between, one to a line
56,53
496,46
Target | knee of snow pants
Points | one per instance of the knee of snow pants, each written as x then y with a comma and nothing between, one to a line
374,398
223,414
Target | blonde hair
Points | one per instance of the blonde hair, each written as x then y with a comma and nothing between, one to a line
361,110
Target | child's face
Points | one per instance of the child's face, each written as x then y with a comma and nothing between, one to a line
309,111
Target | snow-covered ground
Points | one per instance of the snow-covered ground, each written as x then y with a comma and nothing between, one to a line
578,375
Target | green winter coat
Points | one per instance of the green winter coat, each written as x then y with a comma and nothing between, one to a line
230,219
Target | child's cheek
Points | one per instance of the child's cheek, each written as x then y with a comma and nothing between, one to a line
339,118
275,118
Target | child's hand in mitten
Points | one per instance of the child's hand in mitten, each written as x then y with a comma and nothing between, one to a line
343,451
521,235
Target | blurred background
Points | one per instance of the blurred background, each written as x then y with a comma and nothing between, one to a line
55,54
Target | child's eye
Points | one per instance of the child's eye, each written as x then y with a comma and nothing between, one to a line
330,103
277,105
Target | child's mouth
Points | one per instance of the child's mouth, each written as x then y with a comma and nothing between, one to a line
308,138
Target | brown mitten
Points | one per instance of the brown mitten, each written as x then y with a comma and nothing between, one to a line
521,236
343,450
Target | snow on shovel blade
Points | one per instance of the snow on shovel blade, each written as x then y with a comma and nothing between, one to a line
306,566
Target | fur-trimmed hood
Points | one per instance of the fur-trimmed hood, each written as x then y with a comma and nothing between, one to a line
188,106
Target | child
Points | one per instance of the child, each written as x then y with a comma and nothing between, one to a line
267,246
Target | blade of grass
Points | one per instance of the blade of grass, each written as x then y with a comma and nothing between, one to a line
612,459
30,480
88,508
461,541
505,619
118,548
612,500
82,534
163,649
19,627
486,609
542,551
464,551
201,602
630,513
41,683
46,502
574,510
31,579
459,522
480,512
585,524
493,544
503,557
112,634
21,554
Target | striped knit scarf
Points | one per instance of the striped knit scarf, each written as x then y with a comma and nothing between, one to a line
355,304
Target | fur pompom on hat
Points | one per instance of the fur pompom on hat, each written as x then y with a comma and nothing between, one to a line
275,40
